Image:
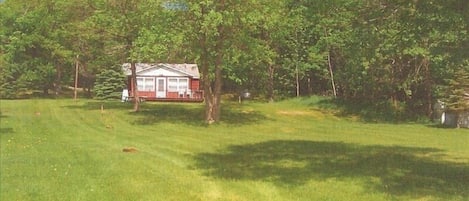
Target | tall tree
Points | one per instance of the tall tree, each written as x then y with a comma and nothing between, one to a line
256,54
124,22
36,44
457,93
210,29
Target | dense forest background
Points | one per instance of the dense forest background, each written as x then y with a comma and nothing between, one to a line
390,55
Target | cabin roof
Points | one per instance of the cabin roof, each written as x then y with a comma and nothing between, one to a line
191,70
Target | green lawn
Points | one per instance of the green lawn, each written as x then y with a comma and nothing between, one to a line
291,150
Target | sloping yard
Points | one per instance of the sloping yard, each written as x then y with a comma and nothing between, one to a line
291,150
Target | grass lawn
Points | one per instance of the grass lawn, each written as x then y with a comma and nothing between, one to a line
291,150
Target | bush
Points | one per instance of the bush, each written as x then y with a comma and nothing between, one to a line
109,84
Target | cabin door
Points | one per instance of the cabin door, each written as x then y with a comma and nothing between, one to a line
161,87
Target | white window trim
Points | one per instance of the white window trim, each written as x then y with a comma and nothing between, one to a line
144,80
179,87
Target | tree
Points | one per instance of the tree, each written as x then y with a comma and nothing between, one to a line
109,84
255,55
229,38
210,34
400,47
391,54
37,43
123,22
457,95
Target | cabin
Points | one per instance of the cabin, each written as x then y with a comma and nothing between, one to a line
165,82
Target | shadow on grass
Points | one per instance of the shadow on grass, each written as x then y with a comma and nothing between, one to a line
193,114
172,113
185,113
440,126
6,130
400,170
378,112
96,105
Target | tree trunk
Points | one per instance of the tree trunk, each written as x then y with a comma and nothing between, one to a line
218,84
270,85
133,79
297,77
213,94
58,80
329,63
218,68
206,82
76,79
208,94
428,88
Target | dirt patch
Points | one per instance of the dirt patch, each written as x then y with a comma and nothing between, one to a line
130,150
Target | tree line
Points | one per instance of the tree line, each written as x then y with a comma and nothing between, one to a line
392,55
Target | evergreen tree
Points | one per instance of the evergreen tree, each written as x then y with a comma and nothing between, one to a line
457,97
109,84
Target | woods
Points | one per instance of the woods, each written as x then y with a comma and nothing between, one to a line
390,55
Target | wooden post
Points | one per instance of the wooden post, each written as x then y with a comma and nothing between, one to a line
76,79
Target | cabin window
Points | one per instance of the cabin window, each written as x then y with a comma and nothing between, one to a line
172,84
183,84
146,84
178,84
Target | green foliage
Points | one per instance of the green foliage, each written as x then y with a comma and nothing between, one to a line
378,51
9,85
457,92
109,84
35,44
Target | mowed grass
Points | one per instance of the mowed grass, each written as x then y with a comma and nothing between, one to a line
290,150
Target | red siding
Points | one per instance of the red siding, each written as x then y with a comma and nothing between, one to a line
172,95
195,84
178,95
146,93
194,93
